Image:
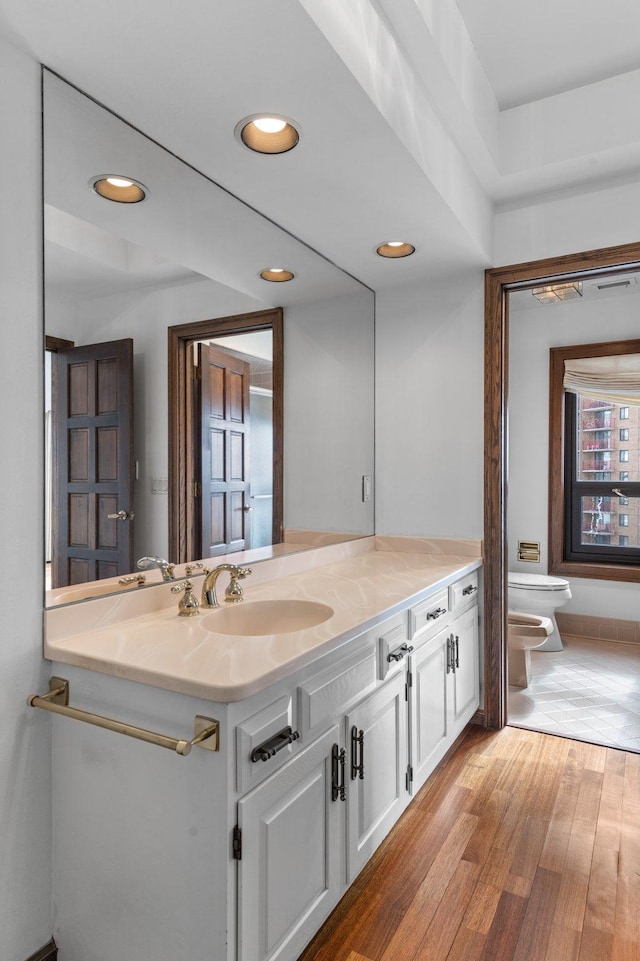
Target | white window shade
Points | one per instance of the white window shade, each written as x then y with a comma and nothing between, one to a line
615,378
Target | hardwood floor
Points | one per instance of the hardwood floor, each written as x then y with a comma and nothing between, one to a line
521,847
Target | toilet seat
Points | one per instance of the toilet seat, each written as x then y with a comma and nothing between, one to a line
536,582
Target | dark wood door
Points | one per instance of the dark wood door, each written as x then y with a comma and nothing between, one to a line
93,454
223,384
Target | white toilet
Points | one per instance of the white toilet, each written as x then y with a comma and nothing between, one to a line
524,633
542,595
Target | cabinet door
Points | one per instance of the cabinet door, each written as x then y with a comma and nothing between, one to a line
289,874
465,656
429,702
377,794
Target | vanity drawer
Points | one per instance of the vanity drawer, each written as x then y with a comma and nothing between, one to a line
463,591
257,736
329,692
429,615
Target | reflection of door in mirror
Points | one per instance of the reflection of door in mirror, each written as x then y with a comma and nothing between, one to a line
91,459
226,434
225,401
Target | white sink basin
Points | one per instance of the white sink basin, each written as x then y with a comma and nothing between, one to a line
267,617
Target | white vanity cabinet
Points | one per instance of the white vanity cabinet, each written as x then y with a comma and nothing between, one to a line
289,868
443,674
377,756
225,855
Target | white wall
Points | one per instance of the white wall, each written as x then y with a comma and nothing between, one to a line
329,414
429,408
25,792
532,332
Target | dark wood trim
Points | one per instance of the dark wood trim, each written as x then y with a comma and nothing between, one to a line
557,563
497,283
47,953
181,503
55,344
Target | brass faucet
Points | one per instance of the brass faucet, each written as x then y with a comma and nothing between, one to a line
164,566
232,594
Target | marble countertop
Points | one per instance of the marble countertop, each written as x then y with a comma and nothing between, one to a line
180,654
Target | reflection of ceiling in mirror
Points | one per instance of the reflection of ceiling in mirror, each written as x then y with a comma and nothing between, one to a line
82,261
212,233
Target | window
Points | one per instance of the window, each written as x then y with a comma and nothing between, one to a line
586,520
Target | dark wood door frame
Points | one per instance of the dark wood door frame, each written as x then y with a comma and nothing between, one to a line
181,465
498,282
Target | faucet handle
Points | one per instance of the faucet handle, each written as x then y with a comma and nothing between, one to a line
233,594
189,604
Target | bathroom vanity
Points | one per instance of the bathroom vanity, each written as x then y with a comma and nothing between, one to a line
325,735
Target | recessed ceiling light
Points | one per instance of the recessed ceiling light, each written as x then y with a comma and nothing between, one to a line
122,190
277,275
268,133
395,248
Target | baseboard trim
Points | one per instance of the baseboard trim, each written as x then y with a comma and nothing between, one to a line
47,953
599,628
479,718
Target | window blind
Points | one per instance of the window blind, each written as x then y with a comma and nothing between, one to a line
615,378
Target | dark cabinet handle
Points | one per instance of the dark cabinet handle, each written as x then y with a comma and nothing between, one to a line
357,741
432,615
399,653
338,757
270,748
453,660
457,661
471,589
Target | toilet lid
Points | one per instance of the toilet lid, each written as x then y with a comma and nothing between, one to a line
537,582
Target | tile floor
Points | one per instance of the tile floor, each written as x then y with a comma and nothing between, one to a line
589,691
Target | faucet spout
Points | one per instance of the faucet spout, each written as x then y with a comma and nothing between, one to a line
164,566
233,591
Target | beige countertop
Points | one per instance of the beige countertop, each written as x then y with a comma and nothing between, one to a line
180,654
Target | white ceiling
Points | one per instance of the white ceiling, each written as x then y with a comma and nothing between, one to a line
403,136
537,49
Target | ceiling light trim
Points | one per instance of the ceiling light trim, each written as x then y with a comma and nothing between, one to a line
264,142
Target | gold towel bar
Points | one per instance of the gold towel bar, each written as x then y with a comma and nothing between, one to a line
206,731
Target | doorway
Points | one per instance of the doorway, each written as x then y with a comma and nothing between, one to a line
185,513
498,283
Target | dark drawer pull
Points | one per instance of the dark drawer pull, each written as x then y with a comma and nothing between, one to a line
471,589
357,741
432,615
269,748
399,653
338,757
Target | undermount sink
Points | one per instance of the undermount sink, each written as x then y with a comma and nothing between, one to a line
254,618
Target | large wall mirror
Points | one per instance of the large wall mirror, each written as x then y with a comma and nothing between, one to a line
276,378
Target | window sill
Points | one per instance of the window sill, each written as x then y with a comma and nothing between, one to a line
629,573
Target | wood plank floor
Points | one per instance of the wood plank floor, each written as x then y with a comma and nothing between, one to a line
521,847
